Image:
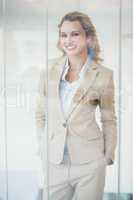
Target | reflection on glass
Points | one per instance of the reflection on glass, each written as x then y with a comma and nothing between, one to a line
23,54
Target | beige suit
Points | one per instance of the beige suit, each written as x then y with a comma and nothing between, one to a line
97,89
86,141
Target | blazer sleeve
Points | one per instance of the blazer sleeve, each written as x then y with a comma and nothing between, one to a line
108,119
40,112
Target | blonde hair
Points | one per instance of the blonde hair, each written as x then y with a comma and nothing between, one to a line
89,29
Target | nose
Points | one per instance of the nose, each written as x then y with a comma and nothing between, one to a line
68,39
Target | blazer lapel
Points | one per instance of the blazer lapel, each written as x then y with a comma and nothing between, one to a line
86,83
56,74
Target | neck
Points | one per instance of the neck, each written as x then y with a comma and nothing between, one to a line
77,62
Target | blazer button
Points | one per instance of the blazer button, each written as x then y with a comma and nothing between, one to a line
64,124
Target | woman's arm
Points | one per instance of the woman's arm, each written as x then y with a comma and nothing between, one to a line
40,112
108,119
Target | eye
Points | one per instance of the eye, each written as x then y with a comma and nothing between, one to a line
76,34
62,35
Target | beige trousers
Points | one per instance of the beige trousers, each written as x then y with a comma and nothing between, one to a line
77,182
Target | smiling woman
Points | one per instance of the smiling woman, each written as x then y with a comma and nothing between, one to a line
28,38
78,151
82,32
75,41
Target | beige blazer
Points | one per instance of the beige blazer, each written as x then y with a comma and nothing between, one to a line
86,141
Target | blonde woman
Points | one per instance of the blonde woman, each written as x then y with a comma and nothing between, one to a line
75,85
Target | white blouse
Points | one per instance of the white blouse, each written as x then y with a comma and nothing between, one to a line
67,89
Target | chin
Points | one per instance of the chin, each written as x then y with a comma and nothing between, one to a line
73,53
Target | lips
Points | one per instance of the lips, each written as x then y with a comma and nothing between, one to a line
71,47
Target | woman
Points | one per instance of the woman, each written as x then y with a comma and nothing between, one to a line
69,93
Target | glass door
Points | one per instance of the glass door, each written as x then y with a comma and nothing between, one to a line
28,40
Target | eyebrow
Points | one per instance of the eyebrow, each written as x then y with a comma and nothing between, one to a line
62,32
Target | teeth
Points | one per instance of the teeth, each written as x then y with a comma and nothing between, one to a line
72,47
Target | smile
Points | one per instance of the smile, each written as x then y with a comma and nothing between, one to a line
71,47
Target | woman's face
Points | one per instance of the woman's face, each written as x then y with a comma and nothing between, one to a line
73,39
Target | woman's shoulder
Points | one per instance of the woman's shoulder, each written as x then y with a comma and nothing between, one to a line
105,70
50,64
105,74
56,61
